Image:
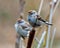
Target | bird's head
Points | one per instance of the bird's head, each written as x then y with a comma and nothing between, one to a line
31,12
19,20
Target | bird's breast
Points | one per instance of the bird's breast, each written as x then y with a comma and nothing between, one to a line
16,25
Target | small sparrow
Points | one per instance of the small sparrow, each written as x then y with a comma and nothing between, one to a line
22,28
34,19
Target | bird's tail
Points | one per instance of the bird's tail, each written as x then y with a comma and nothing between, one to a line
44,21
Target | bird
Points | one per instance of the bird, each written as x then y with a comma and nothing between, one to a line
34,19
22,27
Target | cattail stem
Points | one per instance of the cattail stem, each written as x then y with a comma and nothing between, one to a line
31,37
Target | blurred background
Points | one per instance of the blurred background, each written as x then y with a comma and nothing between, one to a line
9,12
